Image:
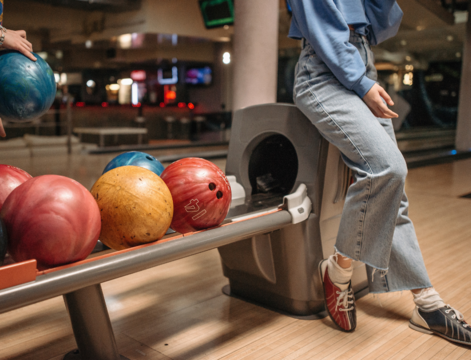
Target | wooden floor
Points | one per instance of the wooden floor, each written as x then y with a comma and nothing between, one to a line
177,311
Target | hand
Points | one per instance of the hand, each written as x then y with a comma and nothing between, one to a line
2,130
16,40
374,100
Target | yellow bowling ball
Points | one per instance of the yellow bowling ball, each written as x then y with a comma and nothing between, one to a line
136,206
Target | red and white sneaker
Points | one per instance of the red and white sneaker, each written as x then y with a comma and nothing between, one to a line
339,300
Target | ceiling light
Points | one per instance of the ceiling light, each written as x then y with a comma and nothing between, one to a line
127,81
449,38
226,58
125,41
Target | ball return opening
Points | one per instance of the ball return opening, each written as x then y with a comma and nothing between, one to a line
288,188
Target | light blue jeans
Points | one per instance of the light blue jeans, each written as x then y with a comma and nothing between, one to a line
375,227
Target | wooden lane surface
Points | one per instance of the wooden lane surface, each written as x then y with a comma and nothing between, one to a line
177,310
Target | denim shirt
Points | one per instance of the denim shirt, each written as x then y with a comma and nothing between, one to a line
324,24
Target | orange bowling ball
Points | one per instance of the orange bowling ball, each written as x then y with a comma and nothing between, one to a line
135,204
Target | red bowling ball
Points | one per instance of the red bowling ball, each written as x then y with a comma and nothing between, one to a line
10,178
201,194
52,219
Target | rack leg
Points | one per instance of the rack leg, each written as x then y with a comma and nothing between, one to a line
92,326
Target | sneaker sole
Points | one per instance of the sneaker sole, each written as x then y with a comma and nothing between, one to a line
432,332
325,303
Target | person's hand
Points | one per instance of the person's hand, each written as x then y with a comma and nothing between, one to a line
2,130
16,40
374,100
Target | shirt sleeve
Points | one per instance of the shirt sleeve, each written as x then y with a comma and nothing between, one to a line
323,26
385,17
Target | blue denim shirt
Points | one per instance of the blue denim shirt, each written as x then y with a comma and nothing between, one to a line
324,24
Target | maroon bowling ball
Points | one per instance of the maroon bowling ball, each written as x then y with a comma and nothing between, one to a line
10,178
52,219
201,194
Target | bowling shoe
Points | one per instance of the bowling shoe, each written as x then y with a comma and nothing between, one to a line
445,322
339,301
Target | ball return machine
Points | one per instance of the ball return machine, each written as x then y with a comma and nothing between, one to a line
288,189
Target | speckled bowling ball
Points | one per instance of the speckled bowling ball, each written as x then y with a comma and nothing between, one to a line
27,88
136,207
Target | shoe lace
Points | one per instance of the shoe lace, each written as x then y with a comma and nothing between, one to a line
457,315
345,298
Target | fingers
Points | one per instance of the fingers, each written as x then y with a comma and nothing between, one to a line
27,53
384,112
386,96
2,130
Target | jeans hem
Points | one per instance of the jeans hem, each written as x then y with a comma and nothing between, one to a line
400,289
364,262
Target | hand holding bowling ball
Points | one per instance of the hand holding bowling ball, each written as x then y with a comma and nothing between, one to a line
52,219
201,194
16,40
28,87
136,158
136,207
10,178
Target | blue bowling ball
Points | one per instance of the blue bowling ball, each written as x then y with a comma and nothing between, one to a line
3,241
136,158
27,88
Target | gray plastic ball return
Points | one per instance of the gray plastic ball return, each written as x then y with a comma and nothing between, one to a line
270,243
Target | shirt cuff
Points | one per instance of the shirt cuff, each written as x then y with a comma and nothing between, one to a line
363,86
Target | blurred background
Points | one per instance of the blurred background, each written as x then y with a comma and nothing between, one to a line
148,74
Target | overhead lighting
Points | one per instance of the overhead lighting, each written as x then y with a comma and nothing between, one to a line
408,79
127,81
135,94
420,28
91,83
408,58
59,54
42,54
403,42
125,41
458,54
449,38
63,78
88,44
226,58
113,87
57,77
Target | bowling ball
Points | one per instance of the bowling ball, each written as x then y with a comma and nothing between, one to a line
10,178
136,158
27,88
201,194
136,207
3,241
52,219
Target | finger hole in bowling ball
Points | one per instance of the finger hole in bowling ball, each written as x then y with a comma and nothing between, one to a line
219,194
149,158
212,186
